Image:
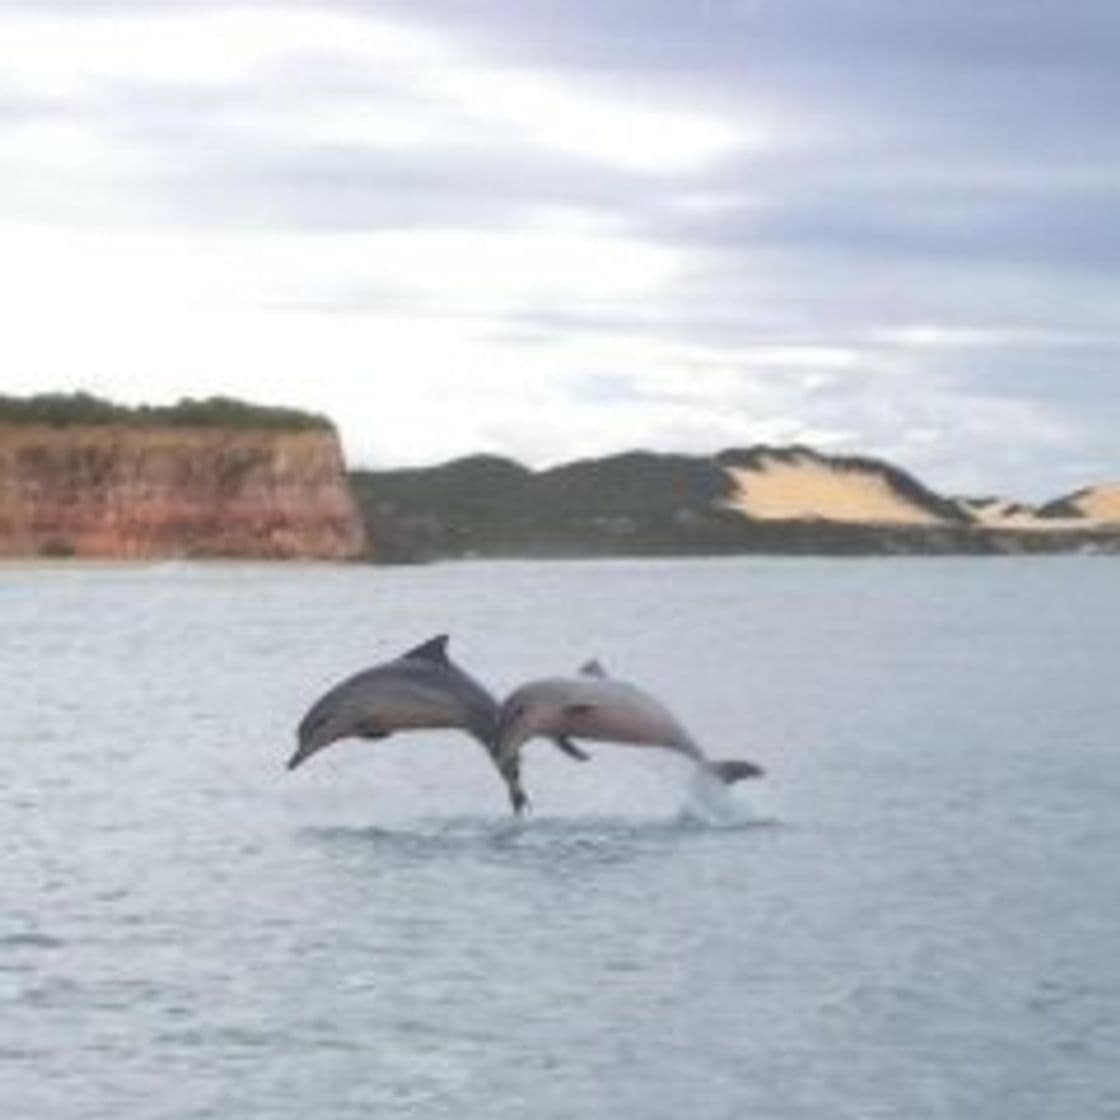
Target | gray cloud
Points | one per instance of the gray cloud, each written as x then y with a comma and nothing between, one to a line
951,165
1056,230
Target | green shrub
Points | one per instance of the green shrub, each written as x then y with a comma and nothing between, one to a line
67,409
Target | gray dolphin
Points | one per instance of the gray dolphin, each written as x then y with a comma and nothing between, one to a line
422,688
598,707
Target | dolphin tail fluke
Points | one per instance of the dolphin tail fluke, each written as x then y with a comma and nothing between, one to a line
733,770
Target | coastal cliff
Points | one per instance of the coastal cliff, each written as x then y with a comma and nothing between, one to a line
221,478
150,486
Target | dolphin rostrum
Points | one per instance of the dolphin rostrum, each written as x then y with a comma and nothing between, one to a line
422,688
600,708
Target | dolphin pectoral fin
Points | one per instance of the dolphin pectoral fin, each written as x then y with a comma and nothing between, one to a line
371,729
570,749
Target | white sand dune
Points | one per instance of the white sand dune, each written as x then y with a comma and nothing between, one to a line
1001,513
807,487
1100,504
802,485
1097,507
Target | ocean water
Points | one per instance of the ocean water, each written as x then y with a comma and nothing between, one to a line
916,915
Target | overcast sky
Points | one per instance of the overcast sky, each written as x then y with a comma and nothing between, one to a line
558,228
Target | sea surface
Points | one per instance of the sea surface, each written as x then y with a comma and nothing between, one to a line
915,915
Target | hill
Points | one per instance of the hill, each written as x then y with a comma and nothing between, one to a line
790,500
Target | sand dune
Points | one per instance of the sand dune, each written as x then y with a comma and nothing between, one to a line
1100,504
803,485
1097,507
808,487
1000,513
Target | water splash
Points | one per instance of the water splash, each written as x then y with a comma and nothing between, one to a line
710,802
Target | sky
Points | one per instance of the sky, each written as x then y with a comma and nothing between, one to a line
553,229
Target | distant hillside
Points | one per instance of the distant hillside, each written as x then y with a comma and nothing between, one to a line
758,500
81,476
1100,504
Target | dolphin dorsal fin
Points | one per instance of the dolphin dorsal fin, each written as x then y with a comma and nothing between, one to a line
592,668
434,649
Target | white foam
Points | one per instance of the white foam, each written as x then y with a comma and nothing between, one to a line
709,801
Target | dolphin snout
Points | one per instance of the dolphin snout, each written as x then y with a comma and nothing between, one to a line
302,753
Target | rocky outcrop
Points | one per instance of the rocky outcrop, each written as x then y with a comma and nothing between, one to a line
147,490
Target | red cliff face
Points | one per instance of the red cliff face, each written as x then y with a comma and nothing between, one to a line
118,491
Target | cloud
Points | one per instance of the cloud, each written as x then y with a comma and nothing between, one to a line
563,229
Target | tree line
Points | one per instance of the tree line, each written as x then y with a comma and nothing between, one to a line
68,409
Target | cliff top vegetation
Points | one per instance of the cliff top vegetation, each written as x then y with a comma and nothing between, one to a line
63,410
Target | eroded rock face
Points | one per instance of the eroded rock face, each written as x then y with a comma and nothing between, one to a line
145,492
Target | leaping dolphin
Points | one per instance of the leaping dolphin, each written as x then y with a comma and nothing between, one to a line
598,707
422,688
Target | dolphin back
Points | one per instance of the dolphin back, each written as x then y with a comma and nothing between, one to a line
479,707
373,703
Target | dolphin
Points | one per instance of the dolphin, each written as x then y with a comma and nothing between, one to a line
422,688
601,708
